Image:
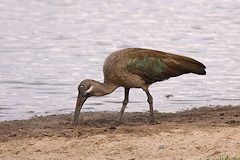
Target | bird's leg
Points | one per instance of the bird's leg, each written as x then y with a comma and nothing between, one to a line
150,101
125,102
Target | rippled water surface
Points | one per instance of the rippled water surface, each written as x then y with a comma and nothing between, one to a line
47,47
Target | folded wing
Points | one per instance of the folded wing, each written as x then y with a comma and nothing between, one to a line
155,66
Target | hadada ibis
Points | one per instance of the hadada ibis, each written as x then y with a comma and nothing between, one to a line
136,68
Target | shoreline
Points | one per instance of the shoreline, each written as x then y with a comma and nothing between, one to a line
199,133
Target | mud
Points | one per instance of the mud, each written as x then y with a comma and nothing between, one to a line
207,132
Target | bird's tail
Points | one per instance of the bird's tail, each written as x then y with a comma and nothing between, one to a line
191,65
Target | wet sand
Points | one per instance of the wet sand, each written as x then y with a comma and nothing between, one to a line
204,133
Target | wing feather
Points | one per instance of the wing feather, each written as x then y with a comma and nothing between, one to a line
155,66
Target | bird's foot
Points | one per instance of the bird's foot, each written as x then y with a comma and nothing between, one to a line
153,122
75,124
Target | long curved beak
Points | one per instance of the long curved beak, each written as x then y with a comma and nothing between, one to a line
80,101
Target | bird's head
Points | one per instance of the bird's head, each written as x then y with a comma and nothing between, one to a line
85,89
88,88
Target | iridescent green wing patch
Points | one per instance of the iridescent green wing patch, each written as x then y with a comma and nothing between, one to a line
149,65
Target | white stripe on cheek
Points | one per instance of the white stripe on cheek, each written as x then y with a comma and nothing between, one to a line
89,90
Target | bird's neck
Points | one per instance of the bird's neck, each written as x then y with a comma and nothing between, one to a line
105,88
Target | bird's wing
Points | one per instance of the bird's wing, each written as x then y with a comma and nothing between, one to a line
155,66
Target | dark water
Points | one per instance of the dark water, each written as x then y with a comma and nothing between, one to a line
47,47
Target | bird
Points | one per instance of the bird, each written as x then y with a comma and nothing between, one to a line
136,68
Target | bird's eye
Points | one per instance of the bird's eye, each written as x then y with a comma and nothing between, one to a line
81,87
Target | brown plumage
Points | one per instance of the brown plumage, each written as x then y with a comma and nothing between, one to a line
136,68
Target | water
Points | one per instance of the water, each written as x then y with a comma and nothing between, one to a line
47,47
